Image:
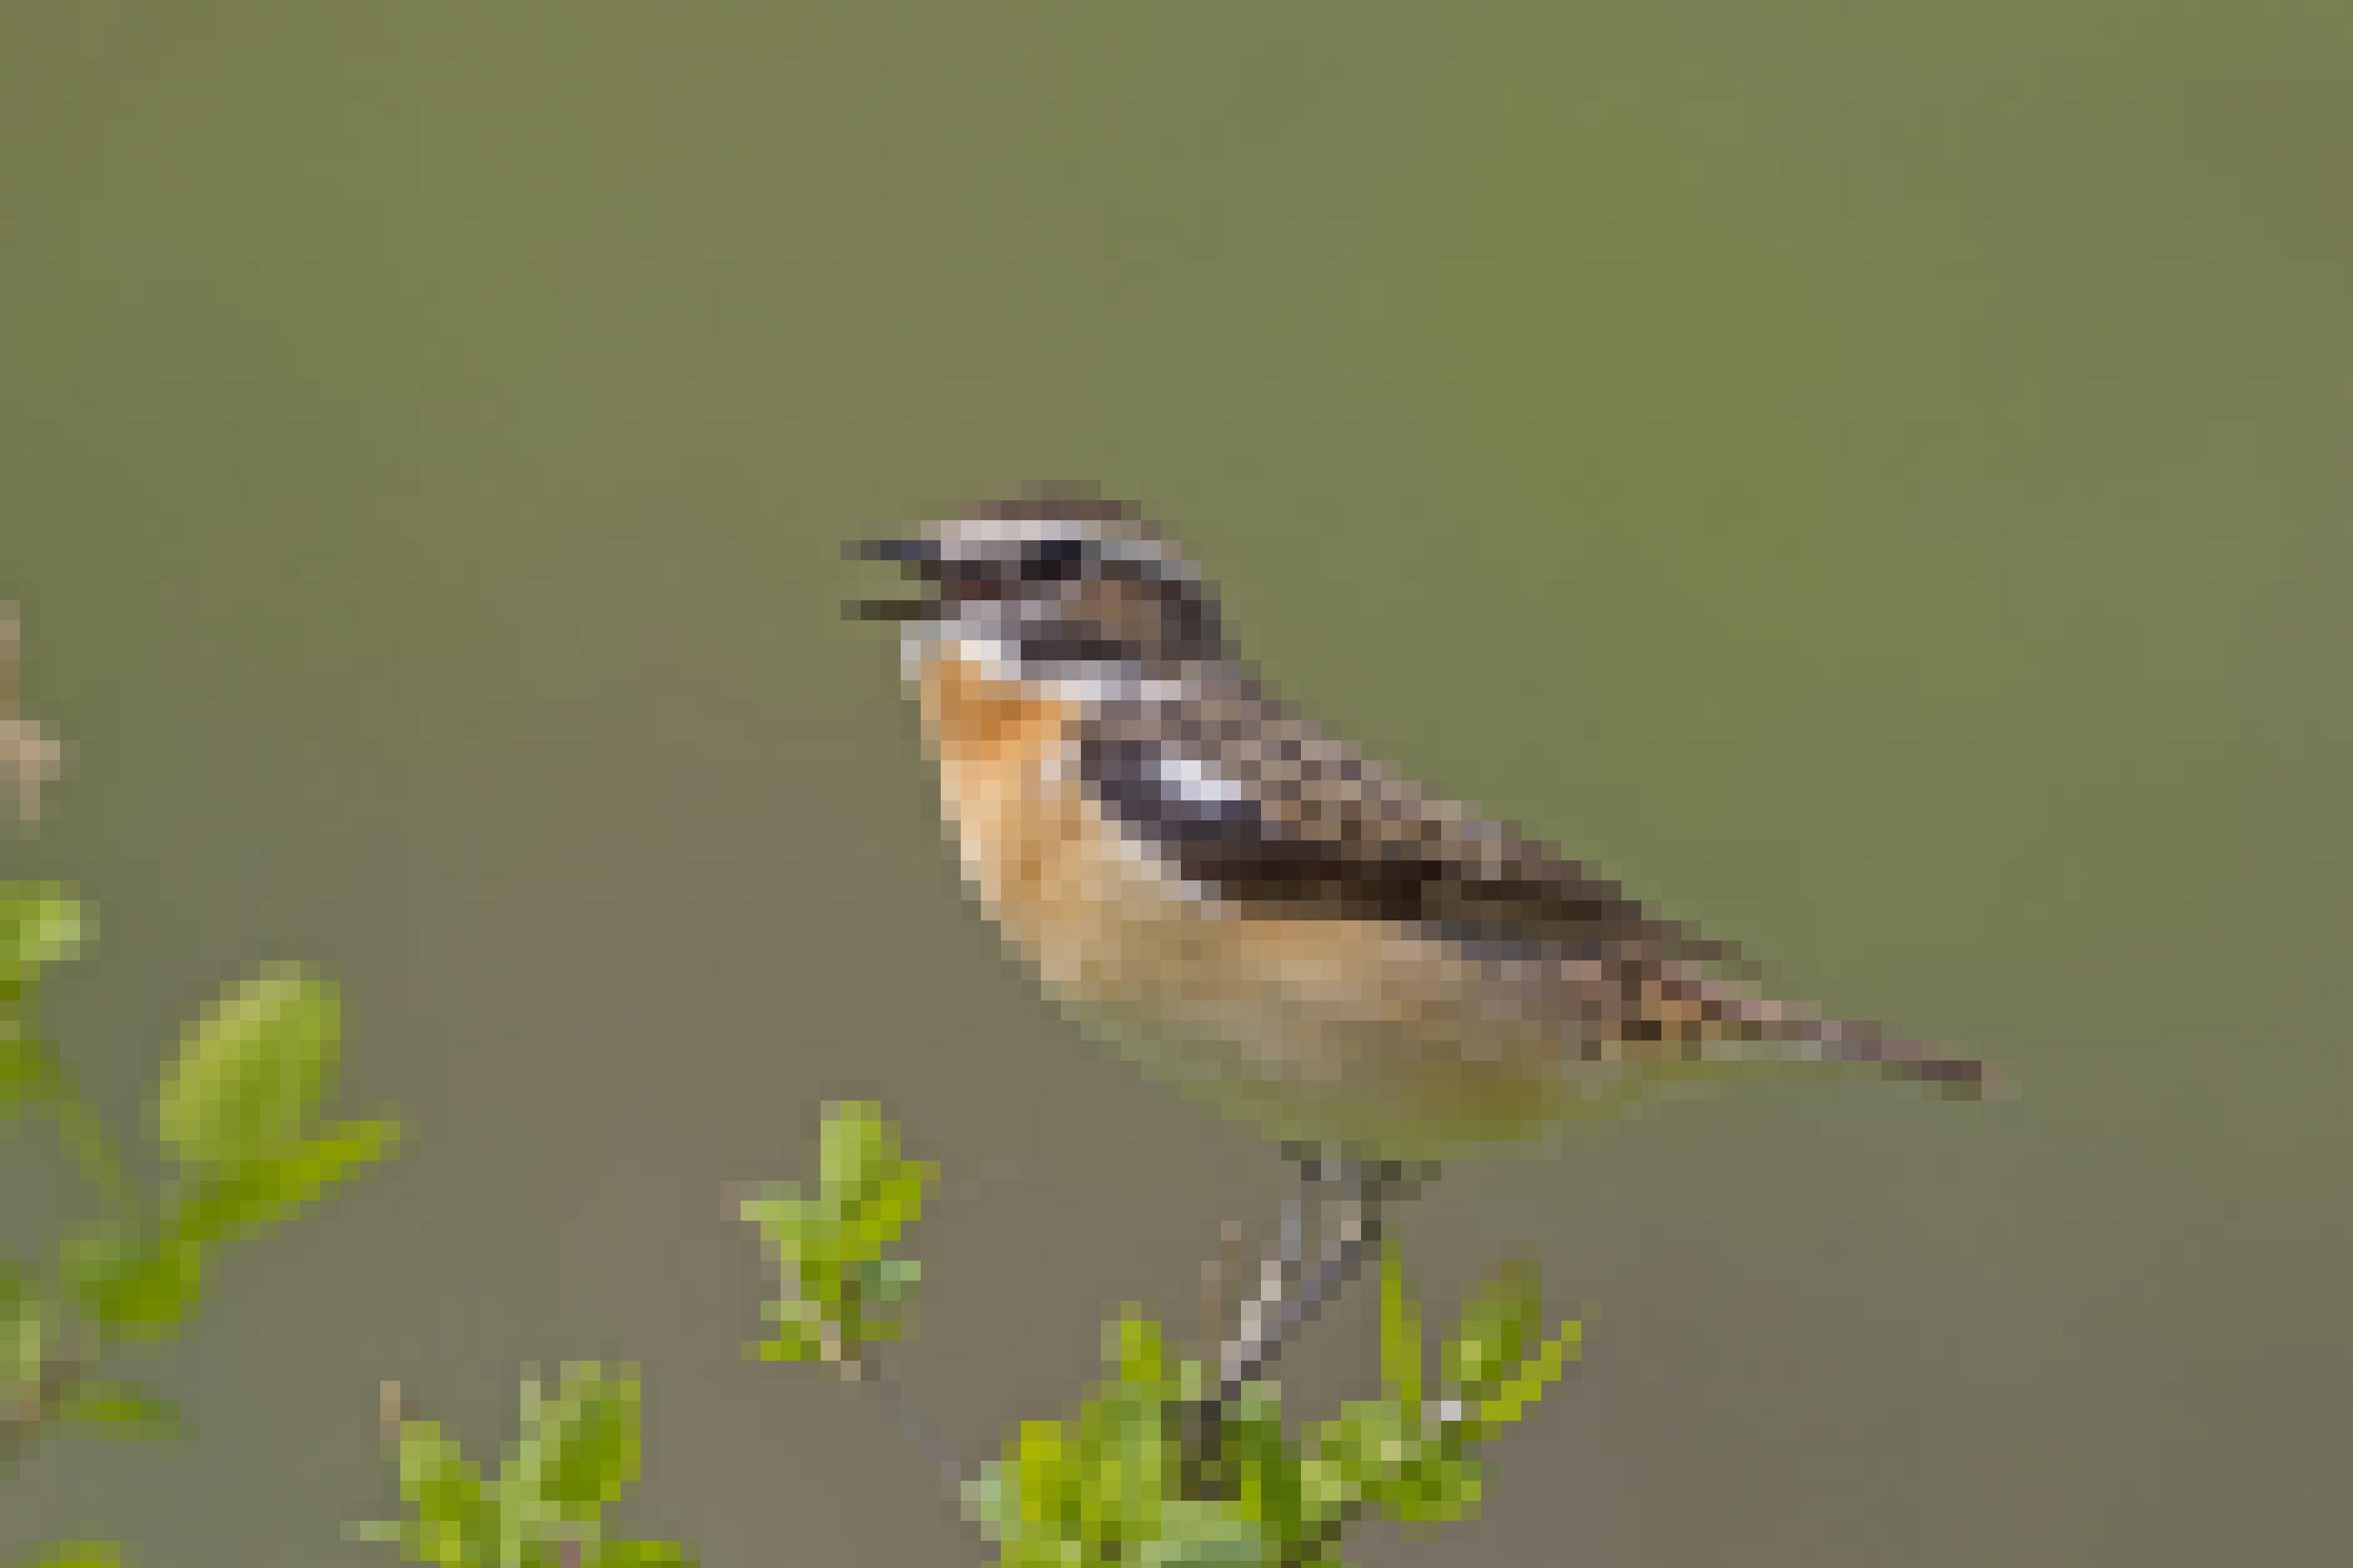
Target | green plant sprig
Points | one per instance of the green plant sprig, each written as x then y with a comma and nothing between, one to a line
545,1508
841,1289
236,1121
1113,1485
236,1117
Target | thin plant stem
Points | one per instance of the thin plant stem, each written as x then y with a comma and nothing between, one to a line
94,1153
87,1142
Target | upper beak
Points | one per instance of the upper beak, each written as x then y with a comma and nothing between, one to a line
906,550
917,557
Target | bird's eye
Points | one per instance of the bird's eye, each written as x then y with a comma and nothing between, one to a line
1053,559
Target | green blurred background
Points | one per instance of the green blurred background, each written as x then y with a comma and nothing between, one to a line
1876,477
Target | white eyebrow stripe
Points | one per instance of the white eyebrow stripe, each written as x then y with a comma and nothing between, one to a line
993,531
1005,531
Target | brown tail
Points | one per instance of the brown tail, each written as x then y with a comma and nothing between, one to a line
1952,1076
1695,1013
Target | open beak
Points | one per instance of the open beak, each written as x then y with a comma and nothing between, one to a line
918,558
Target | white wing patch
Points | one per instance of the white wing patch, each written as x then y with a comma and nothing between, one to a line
1188,777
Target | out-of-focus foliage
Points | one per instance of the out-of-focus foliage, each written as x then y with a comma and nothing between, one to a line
1119,1482
841,1287
545,1506
236,1126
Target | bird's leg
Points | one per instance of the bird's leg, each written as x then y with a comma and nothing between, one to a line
1203,1431
1292,1286
1233,1290
1353,1196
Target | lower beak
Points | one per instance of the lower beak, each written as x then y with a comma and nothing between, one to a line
916,557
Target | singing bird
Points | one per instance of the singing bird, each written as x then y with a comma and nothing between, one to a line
1248,906
1251,906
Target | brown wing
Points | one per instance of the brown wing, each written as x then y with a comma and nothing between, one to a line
1261,806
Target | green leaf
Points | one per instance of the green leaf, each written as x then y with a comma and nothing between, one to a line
1402,1347
453,1519
578,1452
851,1144
133,1281
639,1554
122,1409
840,1288
29,1072
579,1447
251,1071
1440,1488
23,1330
81,1555
40,924
1494,1333
227,1201
1379,1454
1529,1380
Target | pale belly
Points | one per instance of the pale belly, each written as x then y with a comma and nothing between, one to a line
1318,1030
